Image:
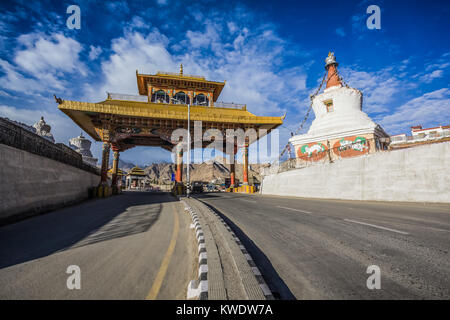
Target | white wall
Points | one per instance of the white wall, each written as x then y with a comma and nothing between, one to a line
31,183
419,174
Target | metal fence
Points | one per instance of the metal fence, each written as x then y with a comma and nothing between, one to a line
14,135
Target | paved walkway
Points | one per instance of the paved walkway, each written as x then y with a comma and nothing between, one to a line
133,246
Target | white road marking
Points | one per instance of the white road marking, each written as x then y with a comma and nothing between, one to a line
375,226
303,211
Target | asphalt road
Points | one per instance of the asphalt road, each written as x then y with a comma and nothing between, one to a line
321,249
132,246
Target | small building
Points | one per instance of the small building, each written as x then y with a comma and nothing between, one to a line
341,129
135,178
419,136
430,133
398,138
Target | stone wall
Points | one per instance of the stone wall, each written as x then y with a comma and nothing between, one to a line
418,174
31,184
14,135
38,175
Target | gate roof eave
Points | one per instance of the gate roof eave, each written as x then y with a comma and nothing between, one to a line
82,113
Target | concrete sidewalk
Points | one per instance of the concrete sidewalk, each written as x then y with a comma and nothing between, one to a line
119,243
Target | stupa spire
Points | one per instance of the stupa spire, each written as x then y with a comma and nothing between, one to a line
331,66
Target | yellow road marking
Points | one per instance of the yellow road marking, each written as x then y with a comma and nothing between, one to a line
165,262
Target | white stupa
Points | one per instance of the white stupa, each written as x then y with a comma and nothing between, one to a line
43,129
340,123
83,146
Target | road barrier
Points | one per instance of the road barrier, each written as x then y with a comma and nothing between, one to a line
242,189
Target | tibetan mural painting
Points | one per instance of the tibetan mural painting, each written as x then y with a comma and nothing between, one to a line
351,147
312,151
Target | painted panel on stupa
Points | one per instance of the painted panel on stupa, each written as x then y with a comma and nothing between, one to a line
351,147
314,151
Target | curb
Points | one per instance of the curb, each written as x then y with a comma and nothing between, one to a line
198,288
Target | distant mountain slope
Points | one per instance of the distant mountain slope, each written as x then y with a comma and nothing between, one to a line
161,173
123,165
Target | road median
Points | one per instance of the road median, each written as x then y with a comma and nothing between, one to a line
231,272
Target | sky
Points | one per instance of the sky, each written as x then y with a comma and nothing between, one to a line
271,54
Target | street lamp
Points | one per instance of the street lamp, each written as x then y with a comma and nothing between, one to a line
188,184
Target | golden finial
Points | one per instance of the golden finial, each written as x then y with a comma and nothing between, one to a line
181,69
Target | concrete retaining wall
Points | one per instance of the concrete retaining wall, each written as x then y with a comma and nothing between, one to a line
419,174
31,184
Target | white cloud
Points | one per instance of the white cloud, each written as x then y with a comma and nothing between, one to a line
134,51
248,59
5,94
94,52
48,54
16,81
42,63
232,28
429,77
430,109
379,88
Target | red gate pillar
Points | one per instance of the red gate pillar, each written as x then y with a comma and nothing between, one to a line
245,169
179,165
233,169
115,168
105,163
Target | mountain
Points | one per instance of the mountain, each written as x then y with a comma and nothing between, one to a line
210,171
123,165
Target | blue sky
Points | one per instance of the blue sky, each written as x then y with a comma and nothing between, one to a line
270,52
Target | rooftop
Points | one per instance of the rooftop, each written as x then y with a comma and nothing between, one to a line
179,81
136,171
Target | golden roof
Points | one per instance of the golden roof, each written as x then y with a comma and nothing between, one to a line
81,113
119,172
179,81
136,171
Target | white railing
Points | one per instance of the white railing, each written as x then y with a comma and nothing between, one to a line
230,105
127,97
417,138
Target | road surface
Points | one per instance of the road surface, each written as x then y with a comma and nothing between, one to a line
133,246
321,249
